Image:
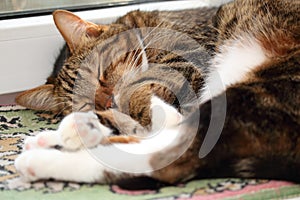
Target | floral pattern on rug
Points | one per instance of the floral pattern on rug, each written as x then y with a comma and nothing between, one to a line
17,123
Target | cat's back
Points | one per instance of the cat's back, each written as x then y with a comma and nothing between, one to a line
195,23
273,23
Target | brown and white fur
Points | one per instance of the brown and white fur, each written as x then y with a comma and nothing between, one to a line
256,66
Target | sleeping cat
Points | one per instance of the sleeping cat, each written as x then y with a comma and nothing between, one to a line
225,106
86,40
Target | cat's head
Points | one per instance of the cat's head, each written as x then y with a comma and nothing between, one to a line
82,37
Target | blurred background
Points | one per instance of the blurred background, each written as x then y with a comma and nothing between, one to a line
21,8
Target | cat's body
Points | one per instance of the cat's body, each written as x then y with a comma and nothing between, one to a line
245,75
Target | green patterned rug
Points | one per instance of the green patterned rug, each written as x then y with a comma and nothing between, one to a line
17,123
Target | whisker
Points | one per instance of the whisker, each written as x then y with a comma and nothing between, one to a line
153,40
142,41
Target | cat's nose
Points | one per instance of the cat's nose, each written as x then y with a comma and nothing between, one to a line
111,102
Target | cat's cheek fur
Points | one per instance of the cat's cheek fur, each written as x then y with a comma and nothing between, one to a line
231,65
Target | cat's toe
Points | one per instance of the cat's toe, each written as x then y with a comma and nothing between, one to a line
46,139
22,164
38,164
68,130
79,130
92,132
30,143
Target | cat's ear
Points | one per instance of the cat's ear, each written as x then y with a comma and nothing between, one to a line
39,98
73,28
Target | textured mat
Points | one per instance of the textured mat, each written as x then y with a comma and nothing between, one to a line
17,123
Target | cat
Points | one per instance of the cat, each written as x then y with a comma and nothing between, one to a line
239,118
58,95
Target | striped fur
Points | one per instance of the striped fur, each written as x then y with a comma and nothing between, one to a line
252,45
96,70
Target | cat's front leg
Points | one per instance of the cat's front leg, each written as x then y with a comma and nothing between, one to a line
78,166
77,130
83,130
121,123
107,163
45,139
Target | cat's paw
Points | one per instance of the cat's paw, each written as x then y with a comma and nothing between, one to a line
45,139
22,166
82,130
44,164
34,164
163,115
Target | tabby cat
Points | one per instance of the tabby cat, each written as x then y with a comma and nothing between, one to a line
225,106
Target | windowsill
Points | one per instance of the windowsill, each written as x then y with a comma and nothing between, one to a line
28,46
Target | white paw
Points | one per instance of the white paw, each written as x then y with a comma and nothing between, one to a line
43,164
34,164
163,115
22,166
46,139
81,129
